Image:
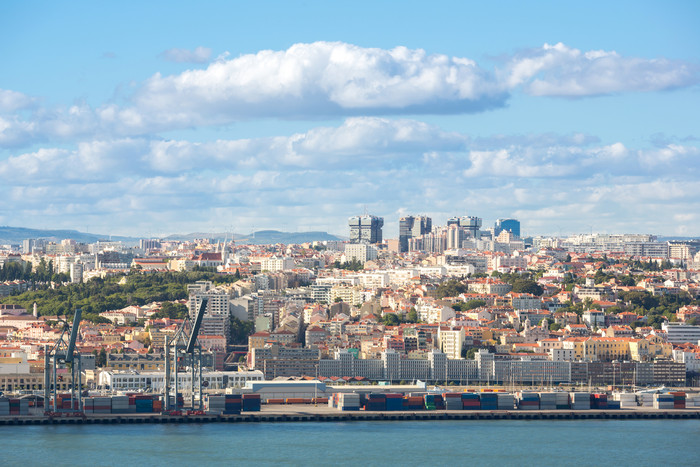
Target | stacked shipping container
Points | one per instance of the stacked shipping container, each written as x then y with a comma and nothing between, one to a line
599,401
580,400
528,401
251,402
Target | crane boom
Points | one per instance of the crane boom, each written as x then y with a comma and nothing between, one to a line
73,335
195,327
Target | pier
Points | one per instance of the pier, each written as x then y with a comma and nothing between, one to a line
325,414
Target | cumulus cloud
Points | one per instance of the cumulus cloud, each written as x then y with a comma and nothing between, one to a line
91,161
13,101
329,79
319,177
559,70
321,78
198,55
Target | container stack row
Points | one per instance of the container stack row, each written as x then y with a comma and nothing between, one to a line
98,405
251,402
627,400
413,403
345,401
692,402
548,401
233,404
471,401
453,400
120,404
528,400
10,406
373,402
63,403
215,404
434,402
580,400
506,401
678,400
599,401
663,401
394,402
646,399
489,400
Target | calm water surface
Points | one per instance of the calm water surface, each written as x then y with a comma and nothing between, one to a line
502,442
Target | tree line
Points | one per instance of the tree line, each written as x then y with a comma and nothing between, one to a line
116,292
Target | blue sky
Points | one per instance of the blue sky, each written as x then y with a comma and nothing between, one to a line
150,118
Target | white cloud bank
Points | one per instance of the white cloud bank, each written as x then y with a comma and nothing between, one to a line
561,71
327,79
316,179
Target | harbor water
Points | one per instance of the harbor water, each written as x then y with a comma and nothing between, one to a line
502,442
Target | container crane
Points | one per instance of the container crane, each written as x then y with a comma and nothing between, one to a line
63,354
184,343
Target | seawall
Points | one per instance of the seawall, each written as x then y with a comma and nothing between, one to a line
311,415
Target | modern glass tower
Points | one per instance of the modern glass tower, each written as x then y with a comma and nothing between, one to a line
511,225
411,227
366,229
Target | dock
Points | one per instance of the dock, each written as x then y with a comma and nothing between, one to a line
325,414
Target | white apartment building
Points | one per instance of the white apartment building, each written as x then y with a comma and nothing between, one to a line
360,252
677,333
217,299
451,341
432,313
274,263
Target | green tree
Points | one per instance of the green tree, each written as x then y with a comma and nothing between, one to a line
101,358
412,316
527,286
240,330
450,288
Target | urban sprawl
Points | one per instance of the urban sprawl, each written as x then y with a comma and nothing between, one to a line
459,304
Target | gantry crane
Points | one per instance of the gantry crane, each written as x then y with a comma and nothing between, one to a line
63,354
184,343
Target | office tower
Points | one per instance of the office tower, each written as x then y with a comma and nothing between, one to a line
511,225
366,229
412,227
470,224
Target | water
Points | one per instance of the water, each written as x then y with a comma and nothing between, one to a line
502,442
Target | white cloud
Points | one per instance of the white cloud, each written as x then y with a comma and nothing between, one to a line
320,177
559,70
321,78
198,55
13,101
328,79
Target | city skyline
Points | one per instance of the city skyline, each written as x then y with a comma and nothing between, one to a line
145,120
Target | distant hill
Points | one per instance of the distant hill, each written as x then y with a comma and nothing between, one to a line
677,239
261,237
15,235
265,237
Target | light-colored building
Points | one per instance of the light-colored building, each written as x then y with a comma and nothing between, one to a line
360,252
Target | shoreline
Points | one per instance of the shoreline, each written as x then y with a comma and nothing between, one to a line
323,414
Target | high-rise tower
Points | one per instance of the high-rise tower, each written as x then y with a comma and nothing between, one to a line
412,227
366,229
512,225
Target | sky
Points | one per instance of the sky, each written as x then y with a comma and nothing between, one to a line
154,118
